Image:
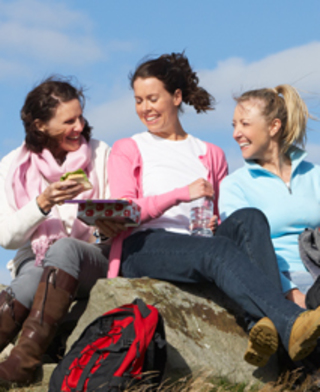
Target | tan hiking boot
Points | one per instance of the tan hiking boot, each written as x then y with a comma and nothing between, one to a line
304,334
263,342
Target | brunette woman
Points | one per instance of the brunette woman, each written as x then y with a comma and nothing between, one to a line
56,257
163,169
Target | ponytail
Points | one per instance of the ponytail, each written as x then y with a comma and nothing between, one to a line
294,131
175,72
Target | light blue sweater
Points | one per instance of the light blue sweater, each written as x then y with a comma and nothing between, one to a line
289,208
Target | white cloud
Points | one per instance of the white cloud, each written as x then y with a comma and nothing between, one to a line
42,13
46,31
114,119
10,68
50,33
48,45
299,66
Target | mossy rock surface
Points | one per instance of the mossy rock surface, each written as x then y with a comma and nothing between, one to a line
204,328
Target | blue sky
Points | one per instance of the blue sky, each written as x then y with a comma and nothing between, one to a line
234,46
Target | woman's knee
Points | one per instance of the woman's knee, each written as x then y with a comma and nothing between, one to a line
62,247
251,216
64,254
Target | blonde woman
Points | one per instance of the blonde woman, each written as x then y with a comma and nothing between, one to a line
270,127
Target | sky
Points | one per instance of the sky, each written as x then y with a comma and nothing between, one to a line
234,46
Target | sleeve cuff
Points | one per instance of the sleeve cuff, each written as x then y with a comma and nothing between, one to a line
41,210
286,283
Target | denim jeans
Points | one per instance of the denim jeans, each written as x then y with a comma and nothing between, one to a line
240,260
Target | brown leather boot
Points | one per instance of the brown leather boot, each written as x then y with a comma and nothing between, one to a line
52,300
12,316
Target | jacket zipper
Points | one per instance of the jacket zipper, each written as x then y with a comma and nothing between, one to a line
288,187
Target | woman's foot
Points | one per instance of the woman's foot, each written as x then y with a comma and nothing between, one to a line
263,342
304,334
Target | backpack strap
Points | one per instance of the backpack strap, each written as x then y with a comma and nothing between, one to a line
143,308
86,371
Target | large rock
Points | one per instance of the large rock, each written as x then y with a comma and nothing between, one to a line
203,326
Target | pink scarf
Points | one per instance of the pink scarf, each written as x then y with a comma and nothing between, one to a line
30,174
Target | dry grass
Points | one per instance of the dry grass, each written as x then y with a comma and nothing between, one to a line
205,383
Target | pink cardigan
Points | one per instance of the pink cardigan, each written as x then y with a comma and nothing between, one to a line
125,168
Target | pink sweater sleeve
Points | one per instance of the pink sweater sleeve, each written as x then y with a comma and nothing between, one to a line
124,172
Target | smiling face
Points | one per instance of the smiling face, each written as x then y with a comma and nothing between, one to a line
257,139
65,127
156,107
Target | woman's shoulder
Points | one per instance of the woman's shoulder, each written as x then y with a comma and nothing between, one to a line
214,149
126,146
236,177
309,170
211,149
9,158
305,164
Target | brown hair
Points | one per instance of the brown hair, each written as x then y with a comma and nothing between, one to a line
175,72
41,104
283,102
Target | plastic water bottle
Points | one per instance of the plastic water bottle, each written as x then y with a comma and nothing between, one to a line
200,214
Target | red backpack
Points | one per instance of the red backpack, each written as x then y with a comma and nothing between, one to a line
122,347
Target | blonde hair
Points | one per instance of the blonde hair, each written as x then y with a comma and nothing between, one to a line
283,102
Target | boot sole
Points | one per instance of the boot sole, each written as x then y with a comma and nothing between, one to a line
263,342
307,342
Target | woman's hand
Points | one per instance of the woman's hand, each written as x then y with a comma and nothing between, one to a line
200,188
297,297
57,193
109,228
213,224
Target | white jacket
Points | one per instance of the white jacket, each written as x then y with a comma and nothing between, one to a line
17,227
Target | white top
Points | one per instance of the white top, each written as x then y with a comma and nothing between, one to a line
170,164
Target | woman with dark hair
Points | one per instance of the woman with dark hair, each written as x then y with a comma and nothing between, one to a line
163,170
56,257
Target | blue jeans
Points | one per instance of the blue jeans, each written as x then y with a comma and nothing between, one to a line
240,260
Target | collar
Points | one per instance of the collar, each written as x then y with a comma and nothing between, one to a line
296,155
